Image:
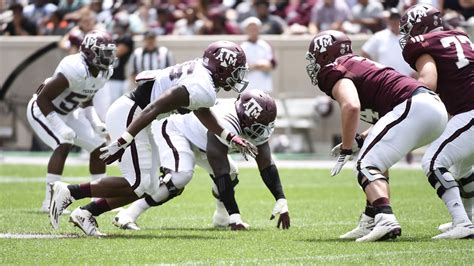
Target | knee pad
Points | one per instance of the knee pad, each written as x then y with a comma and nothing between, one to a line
466,186
441,180
369,174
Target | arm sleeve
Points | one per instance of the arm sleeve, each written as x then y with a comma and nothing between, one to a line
271,178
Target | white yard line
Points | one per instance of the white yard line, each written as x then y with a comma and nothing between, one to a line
35,236
15,179
326,258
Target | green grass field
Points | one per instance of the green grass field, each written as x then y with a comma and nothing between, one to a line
321,209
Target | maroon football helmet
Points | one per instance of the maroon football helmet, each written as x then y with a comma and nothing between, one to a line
419,19
325,47
228,66
98,49
257,112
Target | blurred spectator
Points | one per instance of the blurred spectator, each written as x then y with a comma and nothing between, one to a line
260,57
328,15
217,23
465,7
20,25
68,6
366,17
86,22
300,12
142,19
150,56
117,85
39,11
190,24
103,15
271,24
164,23
56,25
453,20
384,47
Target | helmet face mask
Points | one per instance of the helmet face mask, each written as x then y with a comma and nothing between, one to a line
98,50
228,65
325,47
417,20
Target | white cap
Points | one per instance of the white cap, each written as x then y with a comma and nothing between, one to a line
251,20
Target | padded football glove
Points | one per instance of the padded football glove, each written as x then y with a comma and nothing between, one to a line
344,157
356,146
115,150
281,207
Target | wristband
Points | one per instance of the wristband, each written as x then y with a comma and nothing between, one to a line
346,151
226,134
127,137
359,140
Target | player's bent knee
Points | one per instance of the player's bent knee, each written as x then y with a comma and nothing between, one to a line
368,175
466,186
441,180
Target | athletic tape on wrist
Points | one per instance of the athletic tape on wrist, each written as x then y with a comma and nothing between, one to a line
127,137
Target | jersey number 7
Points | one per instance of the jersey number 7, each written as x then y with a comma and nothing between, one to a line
457,41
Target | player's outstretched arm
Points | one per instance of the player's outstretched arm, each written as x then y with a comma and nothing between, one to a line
94,119
216,153
271,178
169,101
345,93
208,119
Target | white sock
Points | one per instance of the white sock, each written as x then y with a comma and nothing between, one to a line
455,206
50,178
95,177
137,208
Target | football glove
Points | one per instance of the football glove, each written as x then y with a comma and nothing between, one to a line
245,147
236,223
59,126
95,121
115,150
356,146
281,207
344,157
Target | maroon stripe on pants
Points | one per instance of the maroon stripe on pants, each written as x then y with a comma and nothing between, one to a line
170,144
133,149
456,134
43,125
384,131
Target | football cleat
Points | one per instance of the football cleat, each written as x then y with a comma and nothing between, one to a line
236,223
85,221
459,231
220,217
366,224
60,199
125,222
386,227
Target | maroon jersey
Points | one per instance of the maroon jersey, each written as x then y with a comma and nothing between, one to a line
380,88
453,54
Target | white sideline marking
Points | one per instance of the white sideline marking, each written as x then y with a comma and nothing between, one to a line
323,258
14,179
35,236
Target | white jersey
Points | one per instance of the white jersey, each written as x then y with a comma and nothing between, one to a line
82,85
190,74
196,132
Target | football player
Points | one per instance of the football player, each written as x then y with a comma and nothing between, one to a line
444,61
394,104
54,112
186,87
184,142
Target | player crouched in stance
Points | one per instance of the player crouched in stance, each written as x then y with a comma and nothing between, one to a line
444,61
186,87
405,115
184,142
53,111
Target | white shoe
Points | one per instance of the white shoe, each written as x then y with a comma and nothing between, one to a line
60,199
220,217
386,227
459,231
445,227
236,223
366,224
85,221
45,207
123,221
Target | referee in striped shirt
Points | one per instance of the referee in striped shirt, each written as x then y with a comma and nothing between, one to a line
150,56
